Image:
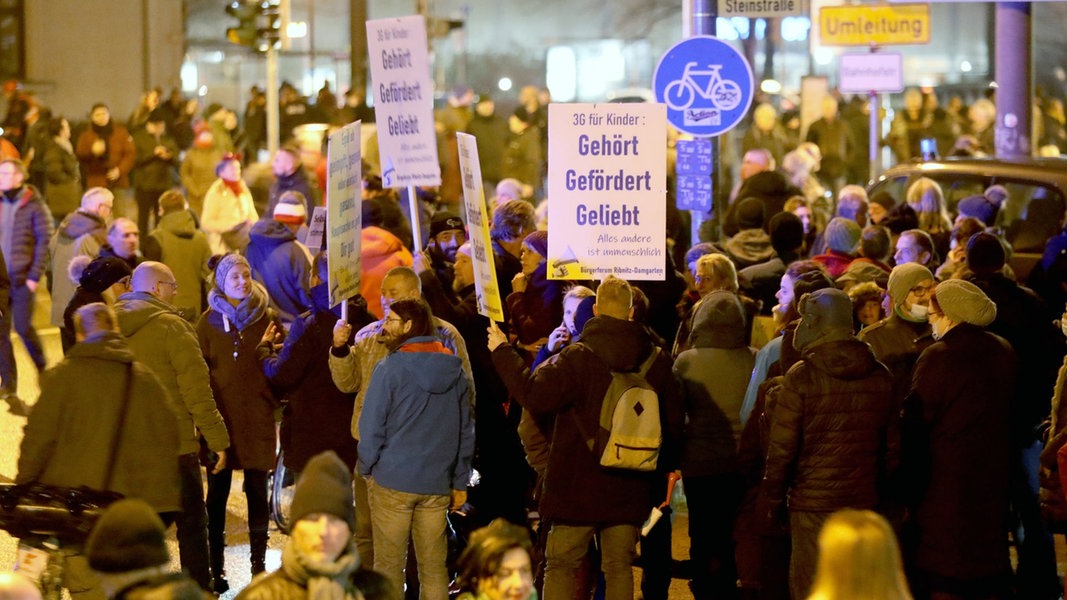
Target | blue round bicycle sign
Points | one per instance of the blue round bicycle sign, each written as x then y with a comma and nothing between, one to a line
706,85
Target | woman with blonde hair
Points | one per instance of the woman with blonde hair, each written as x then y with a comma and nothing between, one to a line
859,559
925,197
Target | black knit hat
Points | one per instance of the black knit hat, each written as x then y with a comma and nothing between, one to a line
103,273
325,486
750,213
129,536
444,221
985,253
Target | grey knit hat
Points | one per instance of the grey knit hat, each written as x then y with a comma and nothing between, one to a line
964,302
904,277
843,235
223,267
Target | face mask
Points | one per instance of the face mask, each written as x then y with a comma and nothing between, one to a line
918,312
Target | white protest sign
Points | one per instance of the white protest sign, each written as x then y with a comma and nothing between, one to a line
316,230
485,284
403,101
344,217
607,181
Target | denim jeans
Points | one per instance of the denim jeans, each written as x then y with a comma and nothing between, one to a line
567,547
22,303
191,522
397,517
364,533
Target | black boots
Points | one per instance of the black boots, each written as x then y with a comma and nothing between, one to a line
258,551
217,547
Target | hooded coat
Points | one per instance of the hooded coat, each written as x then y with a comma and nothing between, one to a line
178,243
748,248
416,433
381,252
282,266
834,436
67,243
69,434
571,386
167,344
714,376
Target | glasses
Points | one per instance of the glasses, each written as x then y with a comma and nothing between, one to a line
392,319
932,314
922,290
173,284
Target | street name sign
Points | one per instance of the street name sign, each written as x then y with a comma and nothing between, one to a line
871,72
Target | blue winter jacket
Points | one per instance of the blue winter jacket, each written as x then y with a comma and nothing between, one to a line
416,432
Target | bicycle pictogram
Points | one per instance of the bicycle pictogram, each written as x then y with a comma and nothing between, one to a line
724,94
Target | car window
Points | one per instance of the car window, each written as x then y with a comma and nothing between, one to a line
1031,215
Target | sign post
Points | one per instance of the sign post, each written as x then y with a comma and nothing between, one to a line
707,86
403,107
485,284
344,214
606,181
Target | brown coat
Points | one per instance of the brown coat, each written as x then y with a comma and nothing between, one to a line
120,154
69,435
240,389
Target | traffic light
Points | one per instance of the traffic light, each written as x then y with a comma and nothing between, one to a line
247,30
261,23
439,28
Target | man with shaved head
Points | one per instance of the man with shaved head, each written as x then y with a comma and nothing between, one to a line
165,342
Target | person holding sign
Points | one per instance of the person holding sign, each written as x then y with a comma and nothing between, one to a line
535,305
580,497
351,365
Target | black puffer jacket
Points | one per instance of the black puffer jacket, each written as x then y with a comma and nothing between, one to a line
835,431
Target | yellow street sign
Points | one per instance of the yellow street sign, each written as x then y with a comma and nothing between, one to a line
880,25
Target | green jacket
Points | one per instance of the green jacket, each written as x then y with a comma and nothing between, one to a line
69,436
167,344
177,243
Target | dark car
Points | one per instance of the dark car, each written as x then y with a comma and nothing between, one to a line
1033,212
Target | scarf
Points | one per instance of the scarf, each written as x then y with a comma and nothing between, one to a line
325,580
234,186
250,310
104,133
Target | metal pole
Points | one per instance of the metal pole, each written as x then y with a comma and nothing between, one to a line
702,14
413,207
358,58
1012,73
311,44
272,100
875,137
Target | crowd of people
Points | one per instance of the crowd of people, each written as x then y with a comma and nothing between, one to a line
908,389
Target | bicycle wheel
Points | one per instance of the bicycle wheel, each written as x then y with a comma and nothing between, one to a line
726,95
282,486
678,95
